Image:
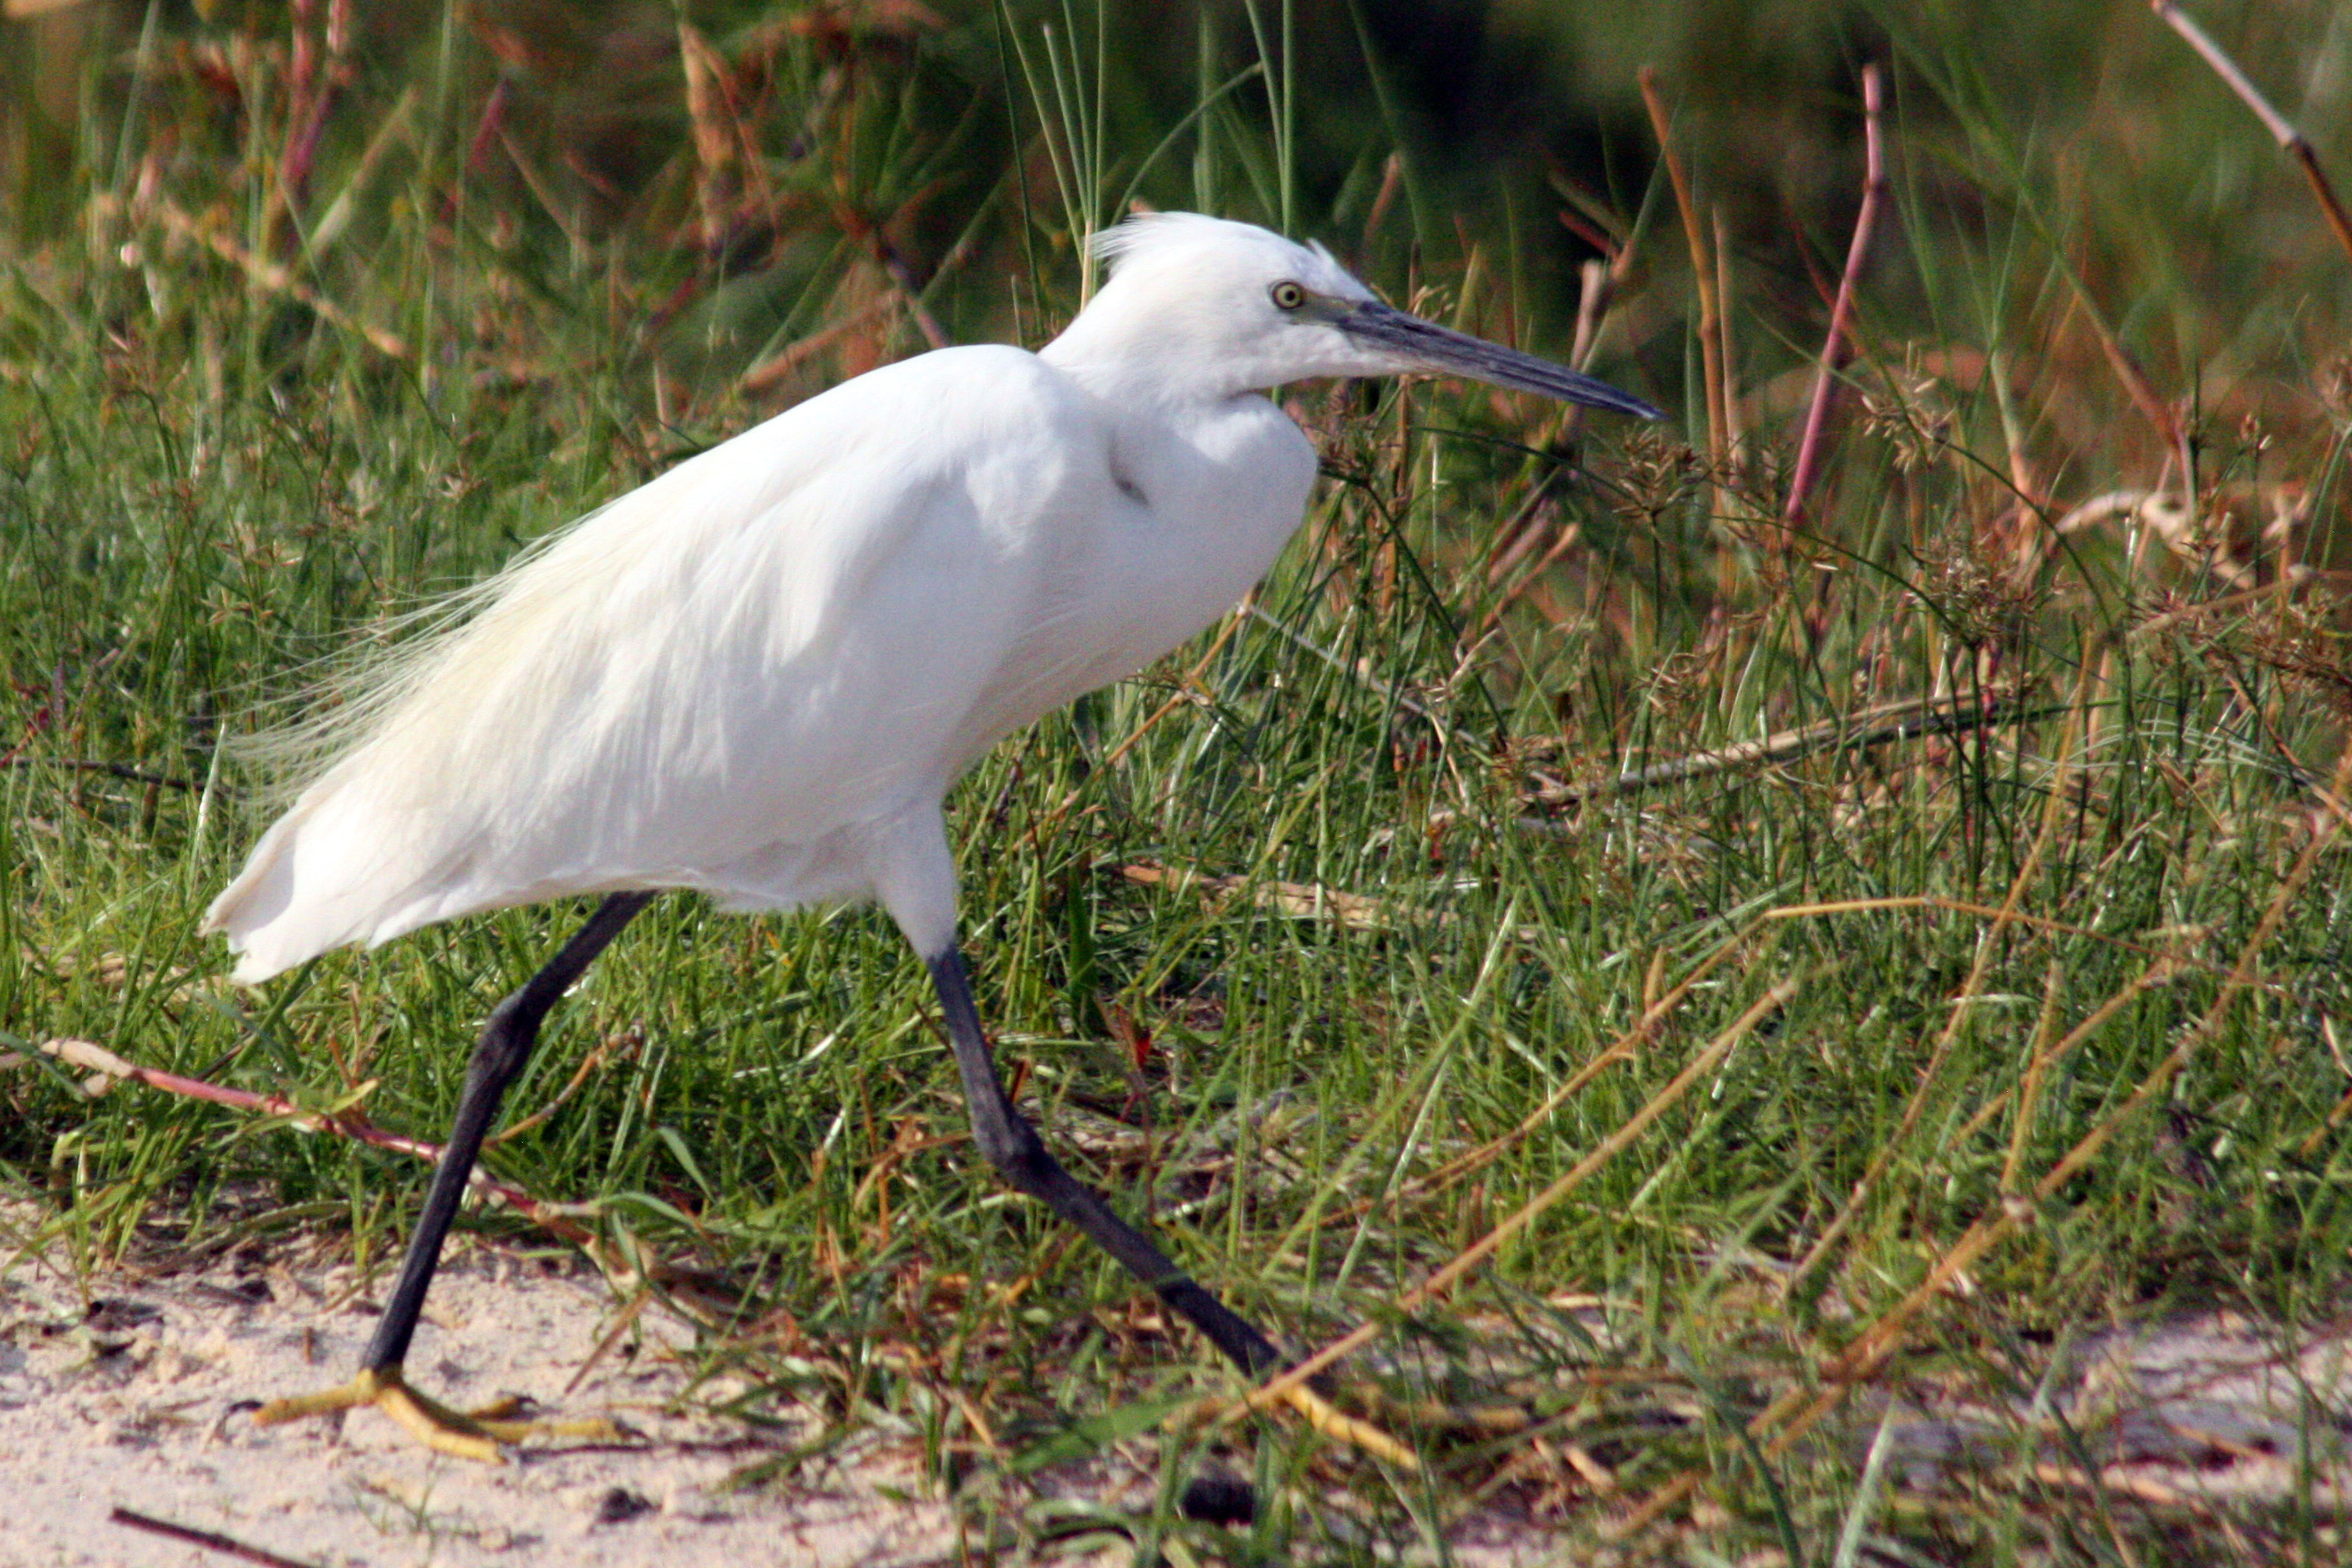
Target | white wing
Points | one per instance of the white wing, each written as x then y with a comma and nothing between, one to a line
719,680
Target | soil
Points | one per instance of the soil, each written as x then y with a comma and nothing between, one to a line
133,1388
140,1398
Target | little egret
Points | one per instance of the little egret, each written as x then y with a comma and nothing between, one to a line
758,674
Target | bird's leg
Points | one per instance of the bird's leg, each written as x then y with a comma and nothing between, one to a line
505,1045
1012,1146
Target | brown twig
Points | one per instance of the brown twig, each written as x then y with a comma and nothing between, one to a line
628,1040
210,1540
1838,347
1519,534
1534,523
115,770
1576,224
1597,285
1873,727
1870,1350
1391,181
2026,1097
1291,900
687,1289
2137,385
792,356
904,276
622,1321
349,1123
2282,130
1936,904
1710,343
301,109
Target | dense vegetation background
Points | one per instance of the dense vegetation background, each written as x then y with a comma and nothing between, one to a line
1831,953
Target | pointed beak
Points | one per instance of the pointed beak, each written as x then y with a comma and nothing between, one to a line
1426,346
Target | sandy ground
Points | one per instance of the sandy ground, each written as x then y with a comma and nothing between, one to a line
2196,1413
138,1400
133,1389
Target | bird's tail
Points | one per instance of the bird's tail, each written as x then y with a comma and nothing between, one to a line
325,875
257,910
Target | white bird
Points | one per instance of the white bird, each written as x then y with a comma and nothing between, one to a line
758,674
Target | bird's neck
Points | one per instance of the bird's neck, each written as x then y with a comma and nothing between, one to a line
1105,355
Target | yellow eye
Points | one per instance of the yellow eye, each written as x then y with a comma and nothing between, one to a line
1288,295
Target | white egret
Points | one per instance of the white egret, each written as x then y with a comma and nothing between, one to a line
758,674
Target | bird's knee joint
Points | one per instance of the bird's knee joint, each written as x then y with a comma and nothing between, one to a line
506,1039
1017,1152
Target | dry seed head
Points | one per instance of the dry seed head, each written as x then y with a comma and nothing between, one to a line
1976,595
1678,679
2179,639
1656,476
1913,416
2309,651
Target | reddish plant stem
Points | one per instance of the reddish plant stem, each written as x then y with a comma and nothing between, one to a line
485,131
312,109
1837,348
2282,130
209,1540
348,1123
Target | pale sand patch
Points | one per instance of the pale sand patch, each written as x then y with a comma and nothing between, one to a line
133,1394
132,1401
134,1388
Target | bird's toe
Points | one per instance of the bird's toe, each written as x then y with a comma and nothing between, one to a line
480,1434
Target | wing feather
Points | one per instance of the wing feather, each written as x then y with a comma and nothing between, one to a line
708,681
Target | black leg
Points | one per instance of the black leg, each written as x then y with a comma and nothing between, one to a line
1012,1146
498,1055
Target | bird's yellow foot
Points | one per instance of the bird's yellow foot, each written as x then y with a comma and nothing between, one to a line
477,1434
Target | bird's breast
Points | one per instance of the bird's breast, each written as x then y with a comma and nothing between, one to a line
1194,509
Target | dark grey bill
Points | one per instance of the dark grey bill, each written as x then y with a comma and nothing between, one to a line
1432,347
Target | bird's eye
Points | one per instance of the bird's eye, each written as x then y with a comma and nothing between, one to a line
1288,295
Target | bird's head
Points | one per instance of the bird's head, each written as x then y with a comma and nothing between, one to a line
1205,307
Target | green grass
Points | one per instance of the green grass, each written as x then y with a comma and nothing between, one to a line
208,485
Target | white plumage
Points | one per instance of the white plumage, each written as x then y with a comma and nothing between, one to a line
762,671
758,674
